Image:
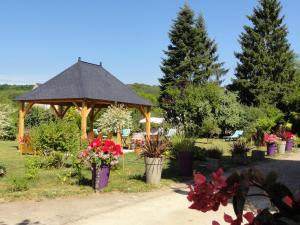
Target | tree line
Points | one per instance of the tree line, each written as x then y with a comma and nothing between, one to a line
266,77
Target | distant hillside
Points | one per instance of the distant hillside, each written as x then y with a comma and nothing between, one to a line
149,92
9,92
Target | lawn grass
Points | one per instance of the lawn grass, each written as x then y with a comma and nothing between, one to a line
52,183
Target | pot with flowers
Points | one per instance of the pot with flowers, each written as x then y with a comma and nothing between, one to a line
289,138
239,150
101,155
154,152
271,140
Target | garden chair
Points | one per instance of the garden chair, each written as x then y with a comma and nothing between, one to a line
236,135
125,135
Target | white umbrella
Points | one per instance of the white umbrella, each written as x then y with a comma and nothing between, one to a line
153,120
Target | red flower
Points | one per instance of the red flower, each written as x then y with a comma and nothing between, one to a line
249,216
215,222
218,179
287,200
229,219
199,178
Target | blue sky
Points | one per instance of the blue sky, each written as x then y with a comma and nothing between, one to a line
39,39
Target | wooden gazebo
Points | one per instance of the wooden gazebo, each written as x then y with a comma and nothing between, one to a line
86,86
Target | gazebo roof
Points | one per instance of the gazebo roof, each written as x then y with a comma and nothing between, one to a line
86,81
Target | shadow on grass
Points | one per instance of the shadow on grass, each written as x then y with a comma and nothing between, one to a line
85,181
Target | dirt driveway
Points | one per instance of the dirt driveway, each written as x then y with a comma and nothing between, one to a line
167,206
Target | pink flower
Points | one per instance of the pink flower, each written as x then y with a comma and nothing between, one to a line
287,200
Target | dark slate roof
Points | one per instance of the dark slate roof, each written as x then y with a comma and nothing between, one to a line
85,81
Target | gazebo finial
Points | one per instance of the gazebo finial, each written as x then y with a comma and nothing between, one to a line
79,59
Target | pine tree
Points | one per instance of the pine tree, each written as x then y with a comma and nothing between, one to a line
191,58
205,56
265,71
177,66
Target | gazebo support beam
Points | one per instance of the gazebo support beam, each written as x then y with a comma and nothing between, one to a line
92,117
22,112
146,111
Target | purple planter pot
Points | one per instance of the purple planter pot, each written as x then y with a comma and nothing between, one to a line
100,177
271,148
289,145
103,175
186,163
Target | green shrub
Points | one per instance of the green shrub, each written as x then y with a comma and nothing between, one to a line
63,136
32,166
54,160
37,116
2,170
240,146
214,153
19,184
199,153
181,143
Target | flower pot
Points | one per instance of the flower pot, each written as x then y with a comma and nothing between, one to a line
212,164
153,169
186,163
289,145
258,155
103,176
281,147
239,158
271,149
100,176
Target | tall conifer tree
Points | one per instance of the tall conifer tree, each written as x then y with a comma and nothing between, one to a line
205,56
265,71
191,59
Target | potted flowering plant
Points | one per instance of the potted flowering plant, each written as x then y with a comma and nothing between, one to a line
24,144
101,155
239,152
153,152
289,138
271,140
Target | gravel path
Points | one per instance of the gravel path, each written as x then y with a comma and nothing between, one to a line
166,206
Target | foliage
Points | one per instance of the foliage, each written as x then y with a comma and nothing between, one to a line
207,196
19,184
5,121
210,127
240,146
206,109
31,168
156,147
180,143
56,136
38,115
214,153
191,58
260,120
54,160
265,73
2,170
73,116
114,119
101,152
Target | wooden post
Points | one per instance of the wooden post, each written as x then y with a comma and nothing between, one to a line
21,122
83,120
92,117
119,138
148,123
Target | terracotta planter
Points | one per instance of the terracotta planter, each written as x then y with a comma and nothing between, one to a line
186,163
153,169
